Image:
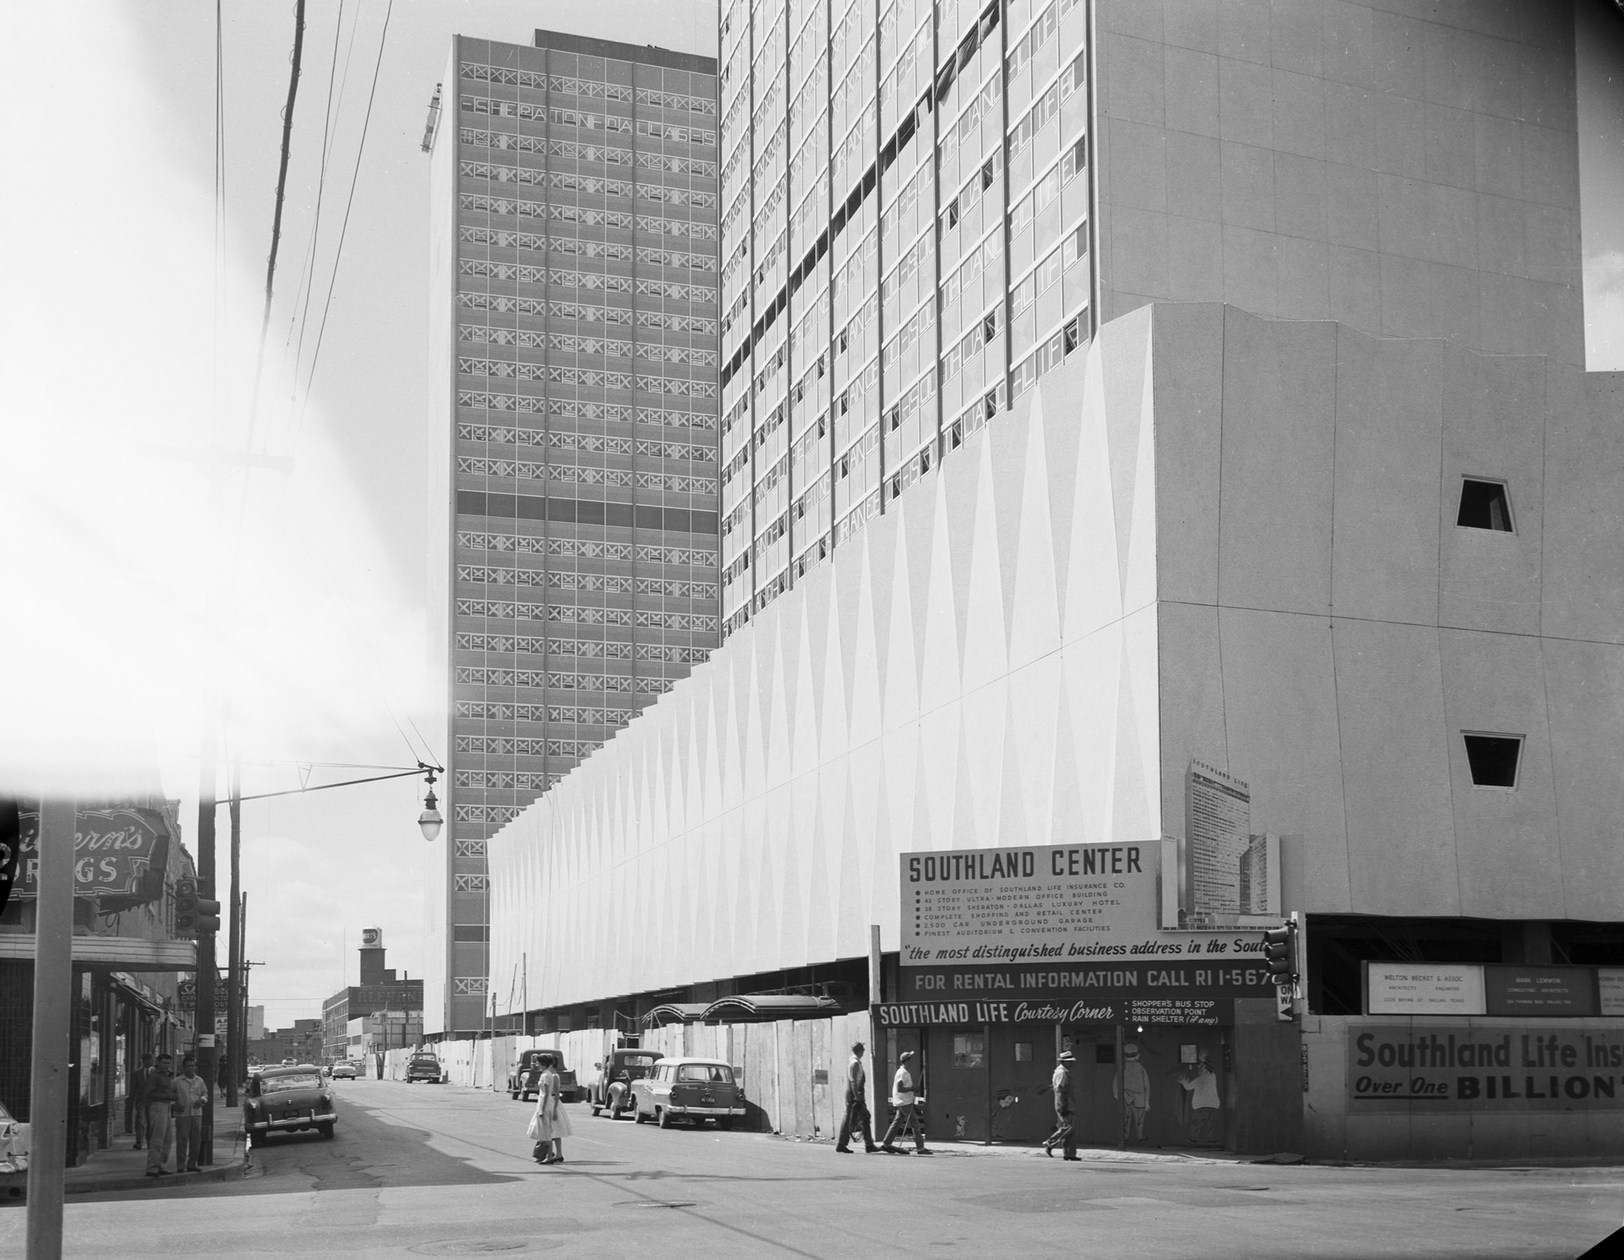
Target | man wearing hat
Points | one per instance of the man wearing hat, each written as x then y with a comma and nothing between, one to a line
905,1104
1063,1133
857,1119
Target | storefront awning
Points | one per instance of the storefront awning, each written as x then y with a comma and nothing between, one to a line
674,1013
744,1008
123,953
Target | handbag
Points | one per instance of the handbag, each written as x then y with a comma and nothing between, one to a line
533,1129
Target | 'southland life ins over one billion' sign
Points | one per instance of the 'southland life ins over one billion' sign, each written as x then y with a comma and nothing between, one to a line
1061,934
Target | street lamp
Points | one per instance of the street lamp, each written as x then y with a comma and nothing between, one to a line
429,821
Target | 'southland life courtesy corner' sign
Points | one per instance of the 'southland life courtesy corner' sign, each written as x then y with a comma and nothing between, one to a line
1062,934
1456,1067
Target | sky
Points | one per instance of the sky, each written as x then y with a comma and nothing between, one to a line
170,534
164,538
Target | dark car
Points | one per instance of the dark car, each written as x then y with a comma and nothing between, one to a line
526,1069
425,1067
688,1089
285,1099
612,1091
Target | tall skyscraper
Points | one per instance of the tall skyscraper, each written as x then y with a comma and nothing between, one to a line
926,204
574,308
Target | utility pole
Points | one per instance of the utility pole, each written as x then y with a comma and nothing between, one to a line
204,1013
234,985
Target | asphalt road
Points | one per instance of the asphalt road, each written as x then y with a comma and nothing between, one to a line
445,1171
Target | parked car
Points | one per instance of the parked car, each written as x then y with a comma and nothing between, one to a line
527,1067
688,1088
345,1070
284,1099
612,1091
425,1067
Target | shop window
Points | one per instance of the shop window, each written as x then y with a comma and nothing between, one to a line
969,1050
1493,759
1484,505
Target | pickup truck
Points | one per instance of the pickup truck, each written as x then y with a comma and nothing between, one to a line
526,1069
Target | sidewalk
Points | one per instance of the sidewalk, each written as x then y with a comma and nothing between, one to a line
122,1167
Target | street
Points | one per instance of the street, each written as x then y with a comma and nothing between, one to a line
445,1170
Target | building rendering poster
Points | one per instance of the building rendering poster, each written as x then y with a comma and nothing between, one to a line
1223,875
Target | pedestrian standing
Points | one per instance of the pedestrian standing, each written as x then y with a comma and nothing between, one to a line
550,1122
1135,1094
160,1116
140,1085
857,1119
191,1093
906,1104
1065,1132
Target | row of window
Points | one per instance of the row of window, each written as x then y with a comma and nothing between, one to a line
567,181
591,377
594,88
610,251
521,746
574,410
603,583
594,443
501,780
593,649
520,610
586,475
570,343
591,281
586,216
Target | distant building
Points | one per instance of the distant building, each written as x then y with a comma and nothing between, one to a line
302,1043
345,1014
574,509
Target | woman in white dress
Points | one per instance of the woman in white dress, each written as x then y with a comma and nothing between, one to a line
551,1122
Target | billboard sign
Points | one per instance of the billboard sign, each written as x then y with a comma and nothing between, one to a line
119,855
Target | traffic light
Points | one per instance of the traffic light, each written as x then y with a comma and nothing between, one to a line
1280,953
194,915
185,907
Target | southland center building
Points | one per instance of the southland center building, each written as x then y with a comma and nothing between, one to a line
1228,619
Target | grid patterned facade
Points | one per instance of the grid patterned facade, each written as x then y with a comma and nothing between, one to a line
905,249
579,291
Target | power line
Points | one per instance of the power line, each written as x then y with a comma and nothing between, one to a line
349,205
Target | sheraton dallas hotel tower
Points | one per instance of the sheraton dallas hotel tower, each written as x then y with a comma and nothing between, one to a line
1152,424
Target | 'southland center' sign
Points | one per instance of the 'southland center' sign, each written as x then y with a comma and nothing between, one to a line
1062,934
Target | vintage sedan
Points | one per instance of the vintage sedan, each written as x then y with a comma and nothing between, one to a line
688,1089
344,1070
612,1091
425,1067
285,1099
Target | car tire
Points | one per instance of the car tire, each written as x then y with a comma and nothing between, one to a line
664,1118
326,1131
724,1122
638,1116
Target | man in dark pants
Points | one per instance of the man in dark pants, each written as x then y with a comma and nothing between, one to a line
857,1118
906,1115
1064,1132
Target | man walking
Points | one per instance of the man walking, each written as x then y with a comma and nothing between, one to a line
160,1116
905,1113
857,1118
140,1085
191,1093
1064,1132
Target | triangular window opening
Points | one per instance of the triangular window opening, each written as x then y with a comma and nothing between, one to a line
1484,505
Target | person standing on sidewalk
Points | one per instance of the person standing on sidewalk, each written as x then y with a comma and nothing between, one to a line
191,1094
160,1116
1065,1133
857,1119
140,1085
906,1114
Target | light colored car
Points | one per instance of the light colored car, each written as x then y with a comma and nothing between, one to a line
688,1089
283,1099
344,1071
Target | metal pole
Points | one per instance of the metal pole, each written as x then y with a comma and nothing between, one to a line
53,1006
203,1017
233,1056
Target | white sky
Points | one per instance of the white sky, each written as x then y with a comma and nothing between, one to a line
129,579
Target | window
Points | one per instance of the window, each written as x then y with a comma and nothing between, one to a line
1493,759
1484,505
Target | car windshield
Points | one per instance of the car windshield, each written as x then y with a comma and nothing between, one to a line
713,1073
638,1067
289,1080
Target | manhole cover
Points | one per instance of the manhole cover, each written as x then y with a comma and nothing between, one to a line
480,1246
